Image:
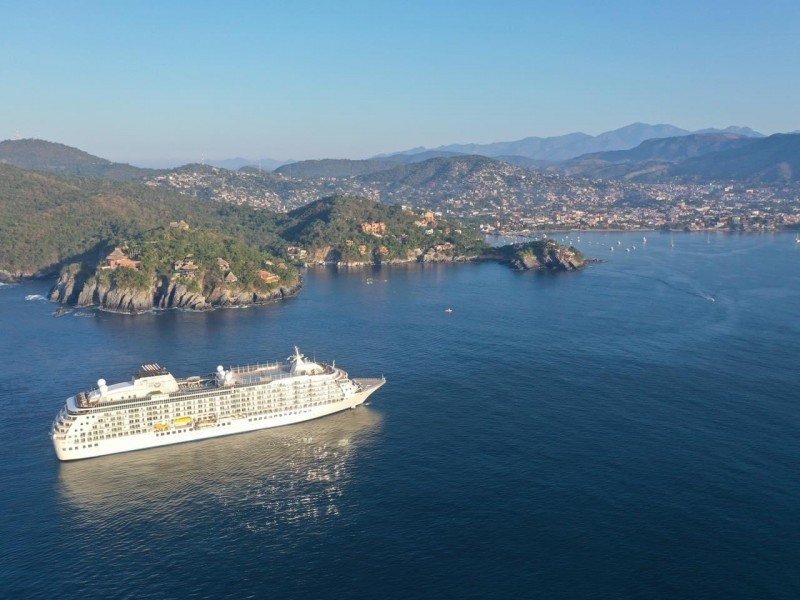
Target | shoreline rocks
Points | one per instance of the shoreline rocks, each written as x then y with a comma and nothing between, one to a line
75,288
79,286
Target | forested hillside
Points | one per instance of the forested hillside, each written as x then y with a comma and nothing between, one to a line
40,155
45,219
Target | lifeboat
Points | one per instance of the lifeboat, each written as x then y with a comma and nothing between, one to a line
182,421
161,426
209,421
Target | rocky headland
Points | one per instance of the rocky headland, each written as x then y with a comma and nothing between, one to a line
544,255
538,255
176,267
74,290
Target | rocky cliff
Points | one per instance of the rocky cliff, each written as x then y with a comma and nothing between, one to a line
544,254
78,288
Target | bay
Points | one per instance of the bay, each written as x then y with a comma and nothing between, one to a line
629,431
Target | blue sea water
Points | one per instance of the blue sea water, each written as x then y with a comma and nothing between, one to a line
630,431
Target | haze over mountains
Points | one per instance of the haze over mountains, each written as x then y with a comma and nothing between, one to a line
525,152
568,146
697,157
737,154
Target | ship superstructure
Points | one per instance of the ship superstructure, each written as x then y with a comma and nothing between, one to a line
156,409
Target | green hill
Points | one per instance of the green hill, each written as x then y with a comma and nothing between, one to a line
40,155
159,250
334,226
46,219
330,167
432,172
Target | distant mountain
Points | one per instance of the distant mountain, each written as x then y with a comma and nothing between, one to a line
672,149
552,148
568,146
697,157
774,159
745,131
331,167
234,164
649,158
415,157
40,155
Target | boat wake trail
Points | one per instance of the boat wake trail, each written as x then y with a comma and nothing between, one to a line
690,291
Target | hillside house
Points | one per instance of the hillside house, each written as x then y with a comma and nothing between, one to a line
374,228
296,252
186,268
118,258
268,276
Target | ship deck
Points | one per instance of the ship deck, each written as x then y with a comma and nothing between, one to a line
242,375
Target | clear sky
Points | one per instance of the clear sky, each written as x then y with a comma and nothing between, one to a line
145,82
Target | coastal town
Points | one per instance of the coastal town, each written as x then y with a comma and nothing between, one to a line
502,197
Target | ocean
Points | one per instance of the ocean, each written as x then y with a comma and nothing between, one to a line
628,431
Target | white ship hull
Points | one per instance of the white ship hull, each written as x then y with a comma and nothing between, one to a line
242,400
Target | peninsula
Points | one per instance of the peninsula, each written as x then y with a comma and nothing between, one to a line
125,246
177,267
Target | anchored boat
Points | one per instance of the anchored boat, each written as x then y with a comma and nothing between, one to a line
156,409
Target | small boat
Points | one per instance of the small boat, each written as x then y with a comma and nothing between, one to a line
182,421
448,310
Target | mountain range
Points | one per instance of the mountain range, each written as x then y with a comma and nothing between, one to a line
564,147
526,152
696,157
430,175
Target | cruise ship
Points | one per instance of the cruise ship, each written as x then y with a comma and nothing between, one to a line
156,409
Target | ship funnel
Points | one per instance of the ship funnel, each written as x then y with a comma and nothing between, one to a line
102,387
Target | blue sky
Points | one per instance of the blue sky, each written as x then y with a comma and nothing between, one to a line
147,82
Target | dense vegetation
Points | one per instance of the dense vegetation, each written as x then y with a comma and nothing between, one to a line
542,250
335,223
160,249
47,219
